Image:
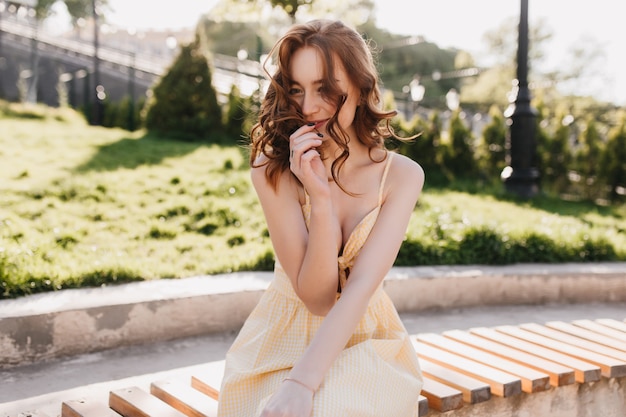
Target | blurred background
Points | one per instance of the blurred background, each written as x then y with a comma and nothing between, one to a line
442,45
171,90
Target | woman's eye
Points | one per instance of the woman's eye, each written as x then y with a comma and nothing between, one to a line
294,91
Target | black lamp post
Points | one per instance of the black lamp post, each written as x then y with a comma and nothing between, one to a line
521,176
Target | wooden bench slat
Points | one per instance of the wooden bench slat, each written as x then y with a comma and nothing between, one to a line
201,384
184,398
135,402
609,367
473,390
558,332
583,371
208,379
532,380
502,384
614,324
559,374
422,405
441,397
602,329
458,366
581,330
86,408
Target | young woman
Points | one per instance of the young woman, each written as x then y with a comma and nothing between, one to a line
325,340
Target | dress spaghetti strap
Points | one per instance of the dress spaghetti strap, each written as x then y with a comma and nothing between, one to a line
384,179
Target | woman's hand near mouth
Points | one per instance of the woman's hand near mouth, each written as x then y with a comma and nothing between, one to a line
304,159
319,123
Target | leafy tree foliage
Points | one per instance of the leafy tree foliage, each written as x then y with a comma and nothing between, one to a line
425,148
459,154
400,64
125,114
588,159
559,156
227,38
491,153
184,102
236,116
43,9
290,6
613,166
76,8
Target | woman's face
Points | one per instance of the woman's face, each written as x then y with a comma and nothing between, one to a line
306,71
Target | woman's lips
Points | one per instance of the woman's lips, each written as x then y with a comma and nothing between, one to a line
320,123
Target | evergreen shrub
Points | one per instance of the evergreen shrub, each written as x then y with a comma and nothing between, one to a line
184,103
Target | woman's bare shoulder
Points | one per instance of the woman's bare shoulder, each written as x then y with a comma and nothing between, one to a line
262,183
406,170
258,174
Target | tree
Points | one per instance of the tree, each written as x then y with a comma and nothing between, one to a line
502,41
400,64
83,9
557,157
613,166
459,151
184,103
228,37
424,148
588,159
581,63
77,9
236,114
290,6
43,10
492,148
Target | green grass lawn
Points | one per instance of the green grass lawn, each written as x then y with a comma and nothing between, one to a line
83,205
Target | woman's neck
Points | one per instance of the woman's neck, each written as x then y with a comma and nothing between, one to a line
358,156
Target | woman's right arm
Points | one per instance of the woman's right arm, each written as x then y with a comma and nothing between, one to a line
308,257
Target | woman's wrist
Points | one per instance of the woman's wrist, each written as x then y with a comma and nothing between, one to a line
302,384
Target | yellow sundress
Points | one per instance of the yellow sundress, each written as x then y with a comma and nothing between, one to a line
376,375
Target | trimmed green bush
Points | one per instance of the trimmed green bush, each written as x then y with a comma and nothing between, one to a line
613,166
486,246
491,153
184,103
458,157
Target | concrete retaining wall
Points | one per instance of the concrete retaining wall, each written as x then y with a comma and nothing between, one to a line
71,322
604,398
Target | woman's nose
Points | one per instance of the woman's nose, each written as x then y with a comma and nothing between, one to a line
310,104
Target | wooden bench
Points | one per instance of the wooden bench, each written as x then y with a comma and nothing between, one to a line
461,369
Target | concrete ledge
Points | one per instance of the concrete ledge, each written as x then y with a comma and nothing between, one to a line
425,288
71,322
606,398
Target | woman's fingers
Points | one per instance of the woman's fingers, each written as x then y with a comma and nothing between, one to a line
304,159
309,155
301,138
305,142
309,127
302,155
299,145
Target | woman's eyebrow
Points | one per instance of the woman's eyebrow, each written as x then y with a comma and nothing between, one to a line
294,82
